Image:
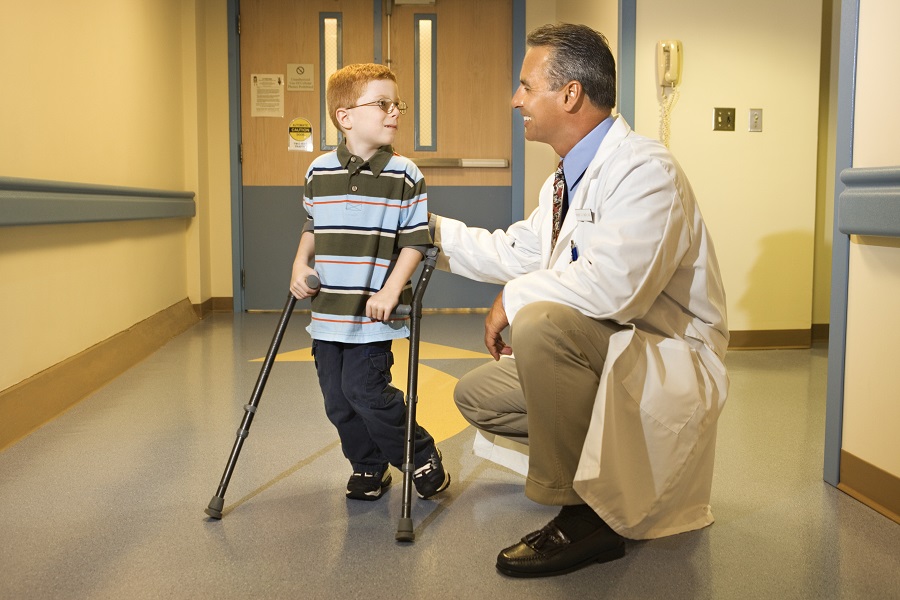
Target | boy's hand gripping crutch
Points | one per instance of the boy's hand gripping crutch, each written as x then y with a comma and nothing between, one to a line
405,527
214,509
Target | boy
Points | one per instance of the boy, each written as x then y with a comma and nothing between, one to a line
367,230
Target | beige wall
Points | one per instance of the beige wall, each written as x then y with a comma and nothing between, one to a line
825,180
205,31
95,92
871,410
128,93
757,190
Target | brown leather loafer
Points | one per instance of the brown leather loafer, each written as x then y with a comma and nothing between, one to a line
548,551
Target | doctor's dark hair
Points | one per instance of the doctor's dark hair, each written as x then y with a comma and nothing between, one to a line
581,54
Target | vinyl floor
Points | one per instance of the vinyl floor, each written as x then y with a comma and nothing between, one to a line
107,501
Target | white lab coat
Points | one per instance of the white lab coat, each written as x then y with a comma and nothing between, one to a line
645,261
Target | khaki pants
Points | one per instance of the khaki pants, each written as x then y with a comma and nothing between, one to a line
544,396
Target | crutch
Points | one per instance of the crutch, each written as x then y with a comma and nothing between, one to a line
405,527
214,509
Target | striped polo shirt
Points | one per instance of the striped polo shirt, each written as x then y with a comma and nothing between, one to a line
362,213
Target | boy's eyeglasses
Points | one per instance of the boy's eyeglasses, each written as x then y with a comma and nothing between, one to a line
385,105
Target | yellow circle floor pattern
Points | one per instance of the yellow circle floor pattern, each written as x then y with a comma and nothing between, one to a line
435,410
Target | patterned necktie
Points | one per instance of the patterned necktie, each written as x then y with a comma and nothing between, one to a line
559,192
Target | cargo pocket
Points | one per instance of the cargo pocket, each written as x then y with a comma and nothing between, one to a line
378,378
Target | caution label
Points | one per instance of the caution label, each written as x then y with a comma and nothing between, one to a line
300,135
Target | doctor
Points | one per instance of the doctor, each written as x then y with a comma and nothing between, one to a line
618,325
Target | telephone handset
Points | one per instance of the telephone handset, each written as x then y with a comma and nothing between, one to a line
668,76
668,63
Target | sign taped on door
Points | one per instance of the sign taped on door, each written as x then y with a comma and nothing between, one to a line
300,135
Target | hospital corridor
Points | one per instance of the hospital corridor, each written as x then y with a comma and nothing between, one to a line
676,205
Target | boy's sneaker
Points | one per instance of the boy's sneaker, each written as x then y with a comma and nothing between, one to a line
431,477
368,486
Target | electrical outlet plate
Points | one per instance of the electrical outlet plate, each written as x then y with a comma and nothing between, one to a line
755,121
723,119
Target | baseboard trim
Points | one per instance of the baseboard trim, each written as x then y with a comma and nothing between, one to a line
223,304
820,332
211,305
763,339
30,404
874,487
203,309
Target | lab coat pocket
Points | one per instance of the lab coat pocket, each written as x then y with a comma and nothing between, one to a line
667,388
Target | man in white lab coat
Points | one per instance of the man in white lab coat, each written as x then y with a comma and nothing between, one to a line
614,375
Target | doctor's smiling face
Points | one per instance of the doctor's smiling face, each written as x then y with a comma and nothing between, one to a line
540,105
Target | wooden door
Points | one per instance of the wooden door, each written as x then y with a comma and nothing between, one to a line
473,73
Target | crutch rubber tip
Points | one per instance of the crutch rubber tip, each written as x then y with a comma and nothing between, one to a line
405,531
215,507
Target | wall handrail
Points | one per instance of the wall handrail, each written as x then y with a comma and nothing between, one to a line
45,202
870,203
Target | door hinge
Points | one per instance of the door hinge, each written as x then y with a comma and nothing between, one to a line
239,24
241,153
243,279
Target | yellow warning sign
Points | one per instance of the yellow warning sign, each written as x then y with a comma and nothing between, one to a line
300,135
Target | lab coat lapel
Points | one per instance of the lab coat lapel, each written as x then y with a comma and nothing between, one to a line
613,138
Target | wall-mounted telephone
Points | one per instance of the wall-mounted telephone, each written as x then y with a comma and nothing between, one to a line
668,76
668,63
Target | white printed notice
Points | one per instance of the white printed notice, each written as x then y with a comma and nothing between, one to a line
267,95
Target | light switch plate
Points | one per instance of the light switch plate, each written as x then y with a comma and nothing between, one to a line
755,121
723,119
